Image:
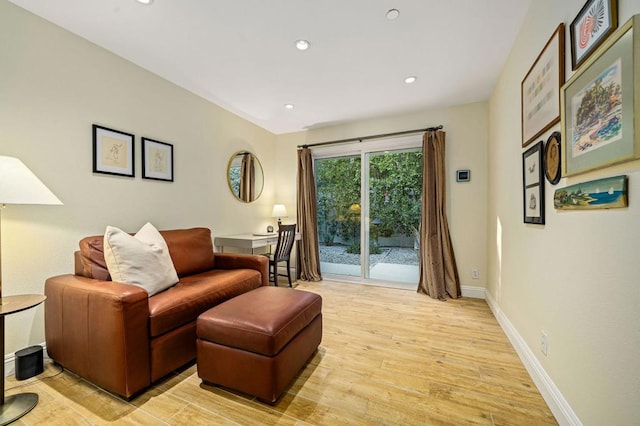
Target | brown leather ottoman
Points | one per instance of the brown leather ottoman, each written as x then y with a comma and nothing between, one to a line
257,342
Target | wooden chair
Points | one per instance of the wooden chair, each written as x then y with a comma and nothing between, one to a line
282,253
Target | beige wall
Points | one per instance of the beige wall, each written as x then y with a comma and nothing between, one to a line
577,276
53,87
467,130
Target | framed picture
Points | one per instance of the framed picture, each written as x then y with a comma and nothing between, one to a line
541,87
607,193
600,106
157,160
552,158
533,184
113,152
595,22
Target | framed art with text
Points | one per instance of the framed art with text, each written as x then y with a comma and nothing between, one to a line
541,87
600,105
157,160
595,22
113,152
533,185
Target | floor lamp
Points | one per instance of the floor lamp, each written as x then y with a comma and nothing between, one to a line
18,185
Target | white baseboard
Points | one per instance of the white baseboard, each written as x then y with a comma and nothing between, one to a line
472,291
558,405
10,361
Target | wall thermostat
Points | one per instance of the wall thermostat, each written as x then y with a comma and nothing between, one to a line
463,175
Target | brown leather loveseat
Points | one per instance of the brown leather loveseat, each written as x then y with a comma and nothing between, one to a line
116,336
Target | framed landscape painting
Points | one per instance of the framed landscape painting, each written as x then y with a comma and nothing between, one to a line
607,193
600,106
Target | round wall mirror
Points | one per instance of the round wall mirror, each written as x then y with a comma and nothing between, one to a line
245,177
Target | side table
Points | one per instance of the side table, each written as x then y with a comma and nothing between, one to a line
15,406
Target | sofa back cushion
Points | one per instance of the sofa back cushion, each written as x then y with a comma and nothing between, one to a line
191,251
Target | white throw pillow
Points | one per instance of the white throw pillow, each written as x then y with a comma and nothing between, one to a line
142,259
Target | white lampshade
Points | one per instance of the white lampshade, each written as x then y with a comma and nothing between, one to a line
18,185
279,210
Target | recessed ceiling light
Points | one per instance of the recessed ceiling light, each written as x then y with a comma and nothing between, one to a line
289,106
410,79
146,2
302,44
393,14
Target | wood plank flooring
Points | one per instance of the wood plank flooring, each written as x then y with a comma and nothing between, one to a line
388,357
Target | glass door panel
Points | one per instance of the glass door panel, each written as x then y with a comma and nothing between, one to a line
338,187
394,190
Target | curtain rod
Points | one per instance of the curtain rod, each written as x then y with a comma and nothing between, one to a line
363,138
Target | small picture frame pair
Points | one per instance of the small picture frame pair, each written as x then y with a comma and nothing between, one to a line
114,154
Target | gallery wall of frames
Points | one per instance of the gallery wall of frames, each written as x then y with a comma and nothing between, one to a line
598,109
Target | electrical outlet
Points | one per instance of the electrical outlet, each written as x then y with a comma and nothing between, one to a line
544,343
475,273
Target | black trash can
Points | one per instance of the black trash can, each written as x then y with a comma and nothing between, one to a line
29,362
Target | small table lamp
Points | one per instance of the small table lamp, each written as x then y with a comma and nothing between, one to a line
279,211
18,185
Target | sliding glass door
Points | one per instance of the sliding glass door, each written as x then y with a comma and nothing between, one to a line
369,213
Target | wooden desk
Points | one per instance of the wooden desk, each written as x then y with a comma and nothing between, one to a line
248,241
15,406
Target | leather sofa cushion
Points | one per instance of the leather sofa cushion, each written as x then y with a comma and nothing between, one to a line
262,321
182,303
191,251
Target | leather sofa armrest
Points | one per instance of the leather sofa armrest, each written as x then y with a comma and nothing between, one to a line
244,261
99,330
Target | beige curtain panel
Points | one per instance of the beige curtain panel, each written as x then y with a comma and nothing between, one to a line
438,270
308,259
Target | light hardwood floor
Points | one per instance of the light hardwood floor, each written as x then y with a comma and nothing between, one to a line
387,357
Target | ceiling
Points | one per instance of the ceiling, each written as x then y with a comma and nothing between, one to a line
241,55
